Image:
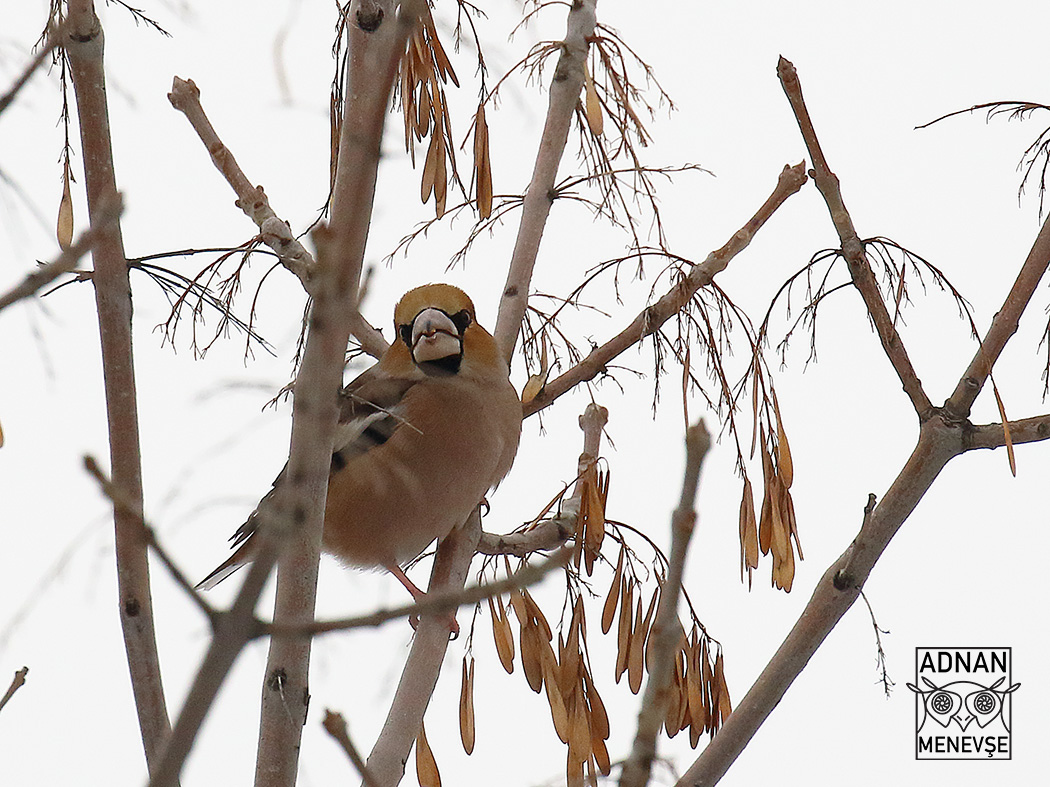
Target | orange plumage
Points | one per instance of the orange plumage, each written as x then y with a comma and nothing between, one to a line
422,436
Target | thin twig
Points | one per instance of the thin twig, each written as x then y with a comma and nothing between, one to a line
117,498
880,654
433,603
653,317
852,248
1003,326
54,39
16,683
664,637
335,725
68,259
564,96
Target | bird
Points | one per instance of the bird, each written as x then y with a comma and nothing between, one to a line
422,437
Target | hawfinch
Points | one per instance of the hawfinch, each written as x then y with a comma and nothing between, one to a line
422,436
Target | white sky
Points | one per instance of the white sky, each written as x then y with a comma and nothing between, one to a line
964,570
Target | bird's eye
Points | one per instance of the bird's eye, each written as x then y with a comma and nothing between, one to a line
405,332
461,320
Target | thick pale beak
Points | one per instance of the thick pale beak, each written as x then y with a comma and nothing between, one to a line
434,336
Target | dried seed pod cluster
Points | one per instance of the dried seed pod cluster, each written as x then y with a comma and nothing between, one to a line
699,696
775,528
593,490
425,70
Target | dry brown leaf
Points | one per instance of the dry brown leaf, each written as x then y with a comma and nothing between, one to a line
599,716
601,755
466,707
1006,431
623,634
556,700
64,226
765,521
647,626
426,765
579,730
635,660
780,543
430,168
537,615
532,656
502,635
725,707
609,610
748,531
592,104
785,467
483,167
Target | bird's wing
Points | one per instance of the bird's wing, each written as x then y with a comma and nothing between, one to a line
367,418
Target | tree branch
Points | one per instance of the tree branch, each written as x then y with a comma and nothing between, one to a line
68,259
653,317
297,513
55,36
665,634
1003,326
274,231
564,96
84,45
387,760
852,248
375,49
835,593
335,725
1025,430
433,603
16,683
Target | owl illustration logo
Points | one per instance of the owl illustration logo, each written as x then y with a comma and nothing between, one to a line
964,702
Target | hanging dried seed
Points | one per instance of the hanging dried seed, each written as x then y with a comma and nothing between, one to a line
748,531
466,707
64,226
426,765
623,638
725,707
785,467
599,716
609,610
592,104
637,655
502,635
531,657
559,714
537,615
647,625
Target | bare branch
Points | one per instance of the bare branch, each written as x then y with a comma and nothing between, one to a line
84,47
1025,430
1003,326
68,259
649,320
55,37
335,725
419,676
375,48
852,248
544,534
185,96
665,635
116,497
564,95
433,603
16,683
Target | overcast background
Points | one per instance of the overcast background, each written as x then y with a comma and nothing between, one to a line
965,570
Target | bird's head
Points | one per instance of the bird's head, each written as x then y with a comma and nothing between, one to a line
434,322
